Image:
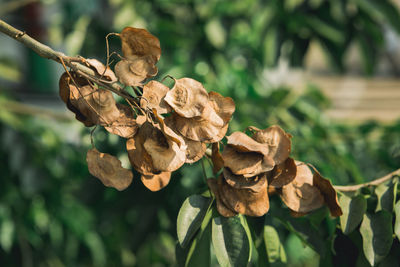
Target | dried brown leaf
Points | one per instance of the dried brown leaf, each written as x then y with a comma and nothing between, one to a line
108,169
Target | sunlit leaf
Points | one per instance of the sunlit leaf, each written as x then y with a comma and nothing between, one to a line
386,194
230,242
190,217
397,222
376,231
274,247
353,212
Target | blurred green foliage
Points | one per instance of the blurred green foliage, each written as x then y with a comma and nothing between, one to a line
53,213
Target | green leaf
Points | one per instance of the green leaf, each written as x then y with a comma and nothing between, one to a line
386,194
353,212
230,242
376,231
274,247
199,252
397,222
190,217
308,234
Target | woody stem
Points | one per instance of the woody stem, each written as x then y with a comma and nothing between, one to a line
351,188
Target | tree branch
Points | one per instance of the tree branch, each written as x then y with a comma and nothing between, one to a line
351,188
72,62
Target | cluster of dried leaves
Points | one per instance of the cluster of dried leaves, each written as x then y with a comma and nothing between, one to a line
168,127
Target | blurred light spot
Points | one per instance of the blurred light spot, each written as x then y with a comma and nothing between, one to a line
201,68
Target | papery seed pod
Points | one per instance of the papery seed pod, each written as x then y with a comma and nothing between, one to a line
156,182
301,195
188,98
101,70
139,42
277,139
283,173
245,201
133,72
108,169
221,207
153,97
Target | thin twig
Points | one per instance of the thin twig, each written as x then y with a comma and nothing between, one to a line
351,188
72,62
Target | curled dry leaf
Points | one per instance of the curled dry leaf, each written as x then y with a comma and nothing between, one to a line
156,182
277,139
153,97
221,207
132,72
245,201
99,67
301,195
139,42
108,169
188,98
283,173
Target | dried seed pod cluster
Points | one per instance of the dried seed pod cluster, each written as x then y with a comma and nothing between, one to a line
168,127
254,166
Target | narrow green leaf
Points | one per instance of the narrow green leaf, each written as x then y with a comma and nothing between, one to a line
397,222
386,194
376,231
353,212
230,242
190,217
274,247
253,252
